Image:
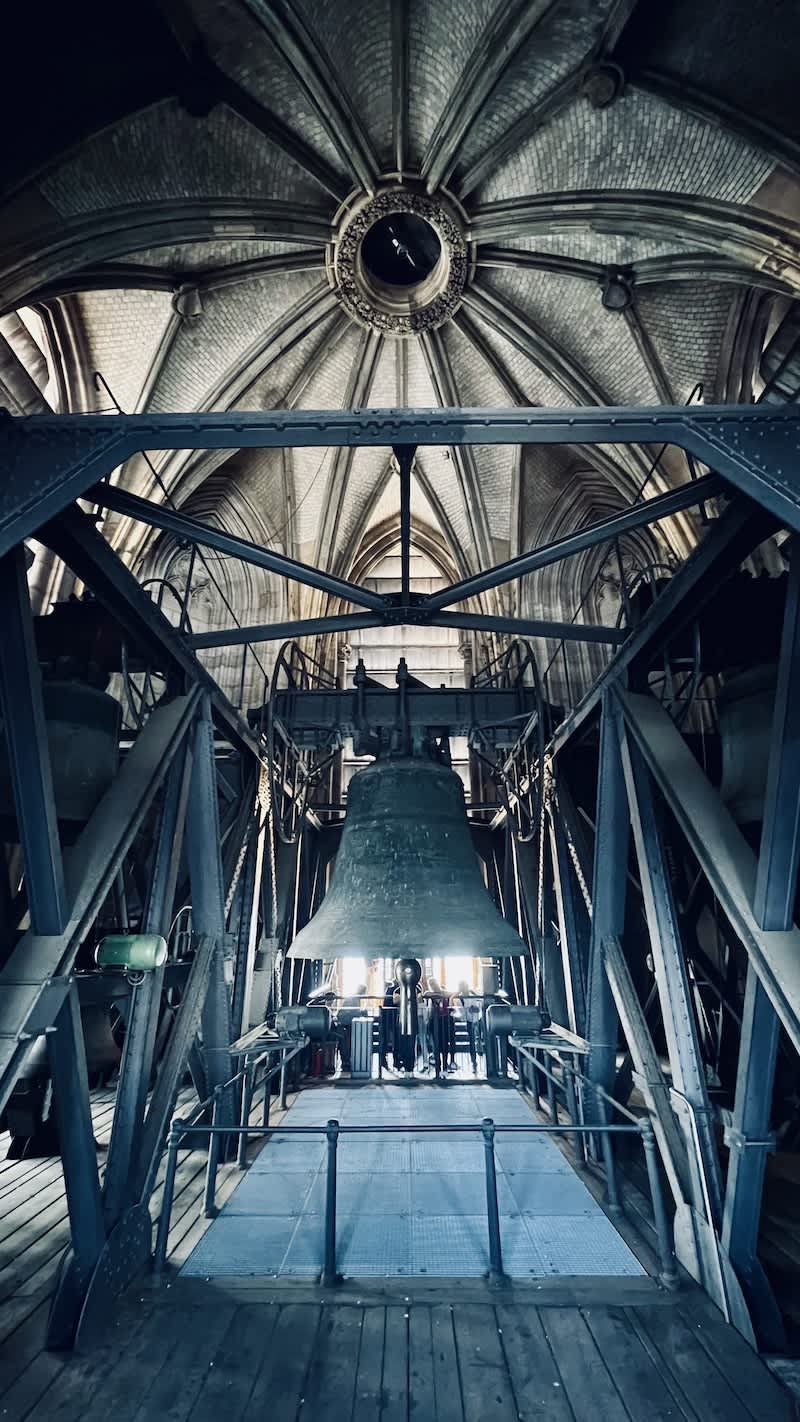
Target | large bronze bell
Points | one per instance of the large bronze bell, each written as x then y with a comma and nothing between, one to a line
406,883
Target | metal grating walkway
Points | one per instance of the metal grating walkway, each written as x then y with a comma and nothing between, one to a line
411,1206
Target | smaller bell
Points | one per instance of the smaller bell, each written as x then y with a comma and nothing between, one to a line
406,883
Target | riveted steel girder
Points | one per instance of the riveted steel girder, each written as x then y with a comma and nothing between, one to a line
49,460
721,851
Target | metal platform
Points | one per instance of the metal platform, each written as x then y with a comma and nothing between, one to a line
411,1206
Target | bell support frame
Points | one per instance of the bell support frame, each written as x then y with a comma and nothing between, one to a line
50,461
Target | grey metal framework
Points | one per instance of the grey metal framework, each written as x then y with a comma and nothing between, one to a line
645,771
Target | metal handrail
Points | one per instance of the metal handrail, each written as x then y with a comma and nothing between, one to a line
568,1069
488,1128
574,1085
252,1063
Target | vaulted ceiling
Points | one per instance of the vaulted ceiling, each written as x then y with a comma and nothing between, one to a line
613,187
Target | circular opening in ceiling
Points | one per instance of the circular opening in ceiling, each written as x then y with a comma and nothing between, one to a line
401,249
398,260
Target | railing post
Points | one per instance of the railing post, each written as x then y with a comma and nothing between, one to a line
162,1234
268,1089
536,1081
247,1104
283,1078
669,1273
329,1275
552,1104
209,1205
496,1275
607,1148
570,1096
581,1148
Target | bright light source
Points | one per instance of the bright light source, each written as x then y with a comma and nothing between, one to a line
353,974
457,970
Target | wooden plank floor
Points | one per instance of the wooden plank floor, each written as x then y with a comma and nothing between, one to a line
34,1229
194,1356
192,1352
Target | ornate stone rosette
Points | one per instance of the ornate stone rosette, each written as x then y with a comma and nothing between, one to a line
399,310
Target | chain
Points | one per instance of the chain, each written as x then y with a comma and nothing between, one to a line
576,864
237,871
546,772
265,801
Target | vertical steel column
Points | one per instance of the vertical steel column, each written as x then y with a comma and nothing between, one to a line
140,1035
208,905
773,908
162,1233
404,454
212,1162
528,879
28,750
688,1073
496,1273
329,1274
609,885
567,925
67,1056
749,1143
248,1087
666,1253
776,880
248,925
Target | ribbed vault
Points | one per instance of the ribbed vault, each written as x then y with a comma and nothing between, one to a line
625,211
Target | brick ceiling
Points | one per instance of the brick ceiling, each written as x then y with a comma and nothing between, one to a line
625,178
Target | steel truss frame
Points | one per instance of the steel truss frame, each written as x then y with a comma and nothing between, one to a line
173,757
51,461
716,1220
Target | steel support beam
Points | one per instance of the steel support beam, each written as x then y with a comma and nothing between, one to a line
415,616
251,884
208,903
67,1056
287,631
749,1142
652,1081
35,979
404,454
721,851
609,885
28,750
779,854
172,1068
569,932
111,496
463,709
527,864
74,538
50,460
527,627
749,1139
639,515
143,1013
730,539
674,992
